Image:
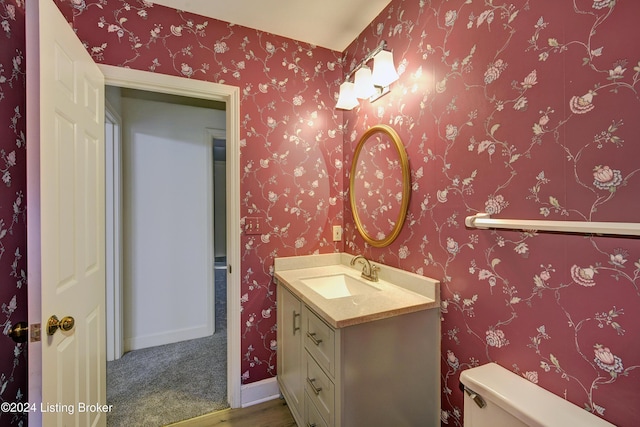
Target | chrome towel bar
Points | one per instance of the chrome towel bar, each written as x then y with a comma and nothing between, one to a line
484,221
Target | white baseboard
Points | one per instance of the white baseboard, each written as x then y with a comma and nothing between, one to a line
168,337
260,391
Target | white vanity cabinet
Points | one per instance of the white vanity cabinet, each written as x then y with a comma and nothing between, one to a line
383,372
290,350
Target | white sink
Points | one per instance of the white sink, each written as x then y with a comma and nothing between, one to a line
339,286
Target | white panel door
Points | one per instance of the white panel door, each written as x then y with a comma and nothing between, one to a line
72,225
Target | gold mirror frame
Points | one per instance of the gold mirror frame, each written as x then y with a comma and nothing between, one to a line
406,185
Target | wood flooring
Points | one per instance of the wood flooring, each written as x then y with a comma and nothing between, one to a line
274,413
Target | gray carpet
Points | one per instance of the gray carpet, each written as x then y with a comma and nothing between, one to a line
156,386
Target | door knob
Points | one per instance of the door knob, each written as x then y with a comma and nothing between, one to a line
66,324
19,332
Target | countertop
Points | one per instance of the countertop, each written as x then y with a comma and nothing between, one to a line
408,293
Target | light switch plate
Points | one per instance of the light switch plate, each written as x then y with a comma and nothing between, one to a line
253,225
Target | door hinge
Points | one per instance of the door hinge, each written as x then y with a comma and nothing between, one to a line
229,266
34,332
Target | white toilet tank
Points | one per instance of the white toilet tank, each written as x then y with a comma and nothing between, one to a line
512,401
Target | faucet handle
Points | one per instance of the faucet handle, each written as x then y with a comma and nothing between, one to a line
374,272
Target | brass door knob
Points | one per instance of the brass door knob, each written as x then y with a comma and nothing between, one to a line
19,332
66,324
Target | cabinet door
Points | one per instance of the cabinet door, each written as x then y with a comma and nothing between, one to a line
290,348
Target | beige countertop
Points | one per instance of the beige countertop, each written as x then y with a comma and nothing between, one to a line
400,292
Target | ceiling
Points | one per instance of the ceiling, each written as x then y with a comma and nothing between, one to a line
333,24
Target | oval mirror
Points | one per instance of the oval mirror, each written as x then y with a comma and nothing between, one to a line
379,185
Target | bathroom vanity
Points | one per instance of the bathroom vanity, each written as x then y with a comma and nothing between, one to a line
353,352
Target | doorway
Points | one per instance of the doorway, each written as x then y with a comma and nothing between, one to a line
168,216
172,177
127,78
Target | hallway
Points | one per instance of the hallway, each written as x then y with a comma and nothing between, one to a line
172,382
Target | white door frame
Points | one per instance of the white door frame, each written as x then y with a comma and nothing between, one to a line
113,219
155,82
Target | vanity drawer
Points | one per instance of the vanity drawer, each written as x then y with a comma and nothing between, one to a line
319,389
319,340
312,417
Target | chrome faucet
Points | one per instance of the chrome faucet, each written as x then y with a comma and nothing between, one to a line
369,271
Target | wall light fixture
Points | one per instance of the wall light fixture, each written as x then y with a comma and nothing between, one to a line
368,84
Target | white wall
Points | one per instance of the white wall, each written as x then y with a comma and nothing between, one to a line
168,226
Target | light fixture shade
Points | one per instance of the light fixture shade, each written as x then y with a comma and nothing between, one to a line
347,98
384,71
364,85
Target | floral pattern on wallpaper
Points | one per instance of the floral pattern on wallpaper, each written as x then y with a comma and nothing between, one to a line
291,136
13,231
520,109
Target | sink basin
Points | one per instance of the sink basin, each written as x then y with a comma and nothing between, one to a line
339,286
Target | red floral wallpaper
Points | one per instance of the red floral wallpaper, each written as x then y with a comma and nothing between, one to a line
13,230
291,138
521,109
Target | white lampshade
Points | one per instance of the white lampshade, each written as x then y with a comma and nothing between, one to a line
364,85
384,71
347,98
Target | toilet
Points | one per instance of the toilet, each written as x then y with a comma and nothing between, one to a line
496,397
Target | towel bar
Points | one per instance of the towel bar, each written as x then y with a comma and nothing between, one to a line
484,221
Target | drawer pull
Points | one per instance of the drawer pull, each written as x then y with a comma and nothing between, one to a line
295,316
315,389
312,337
311,425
